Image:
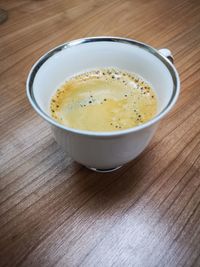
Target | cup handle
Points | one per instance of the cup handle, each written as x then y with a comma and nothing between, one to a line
166,53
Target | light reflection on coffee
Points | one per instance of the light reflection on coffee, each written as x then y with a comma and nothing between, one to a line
104,100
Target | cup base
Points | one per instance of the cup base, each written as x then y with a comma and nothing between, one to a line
104,170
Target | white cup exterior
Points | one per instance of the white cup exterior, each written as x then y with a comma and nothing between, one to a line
103,150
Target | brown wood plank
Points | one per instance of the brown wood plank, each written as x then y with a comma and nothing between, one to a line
54,212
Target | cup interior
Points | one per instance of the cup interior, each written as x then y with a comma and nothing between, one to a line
76,57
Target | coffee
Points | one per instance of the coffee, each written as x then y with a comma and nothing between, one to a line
104,100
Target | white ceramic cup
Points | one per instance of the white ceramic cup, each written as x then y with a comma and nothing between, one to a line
103,151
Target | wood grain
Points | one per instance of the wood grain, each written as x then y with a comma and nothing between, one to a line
54,212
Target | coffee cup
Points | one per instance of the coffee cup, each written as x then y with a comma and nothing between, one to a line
103,151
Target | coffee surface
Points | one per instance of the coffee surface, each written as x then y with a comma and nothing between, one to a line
104,100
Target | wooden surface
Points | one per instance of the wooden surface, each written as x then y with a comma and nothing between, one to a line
54,212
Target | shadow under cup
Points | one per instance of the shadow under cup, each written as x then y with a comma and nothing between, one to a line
102,150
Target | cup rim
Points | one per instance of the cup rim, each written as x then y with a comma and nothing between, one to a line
33,72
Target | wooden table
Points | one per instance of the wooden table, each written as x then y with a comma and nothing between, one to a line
54,212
